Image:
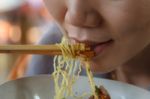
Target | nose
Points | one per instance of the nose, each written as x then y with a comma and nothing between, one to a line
81,13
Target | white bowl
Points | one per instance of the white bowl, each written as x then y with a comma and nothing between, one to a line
42,87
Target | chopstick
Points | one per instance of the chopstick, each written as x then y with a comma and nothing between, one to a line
39,49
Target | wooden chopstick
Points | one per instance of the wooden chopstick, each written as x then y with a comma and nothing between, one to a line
37,49
31,49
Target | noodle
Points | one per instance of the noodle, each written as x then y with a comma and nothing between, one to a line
67,69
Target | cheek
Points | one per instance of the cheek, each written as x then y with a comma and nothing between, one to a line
57,8
121,15
123,50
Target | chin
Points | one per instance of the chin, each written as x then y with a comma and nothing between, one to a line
101,68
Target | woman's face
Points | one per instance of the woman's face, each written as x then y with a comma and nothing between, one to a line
116,30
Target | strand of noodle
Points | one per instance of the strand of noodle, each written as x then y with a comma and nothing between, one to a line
60,91
90,76
77,70
55,74
59,94
69,74
61,62
65,80
58,73
71,67
72,50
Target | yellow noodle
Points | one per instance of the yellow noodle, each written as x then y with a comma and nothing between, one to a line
67,70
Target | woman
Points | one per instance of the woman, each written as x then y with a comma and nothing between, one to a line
117,30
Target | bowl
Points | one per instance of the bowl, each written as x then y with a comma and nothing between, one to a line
42,87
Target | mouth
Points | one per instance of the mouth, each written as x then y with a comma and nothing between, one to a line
100,47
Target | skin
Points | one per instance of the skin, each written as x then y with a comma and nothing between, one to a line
125,22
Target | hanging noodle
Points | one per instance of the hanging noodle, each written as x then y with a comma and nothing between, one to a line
67,69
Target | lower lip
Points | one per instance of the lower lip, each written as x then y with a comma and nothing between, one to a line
101,47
